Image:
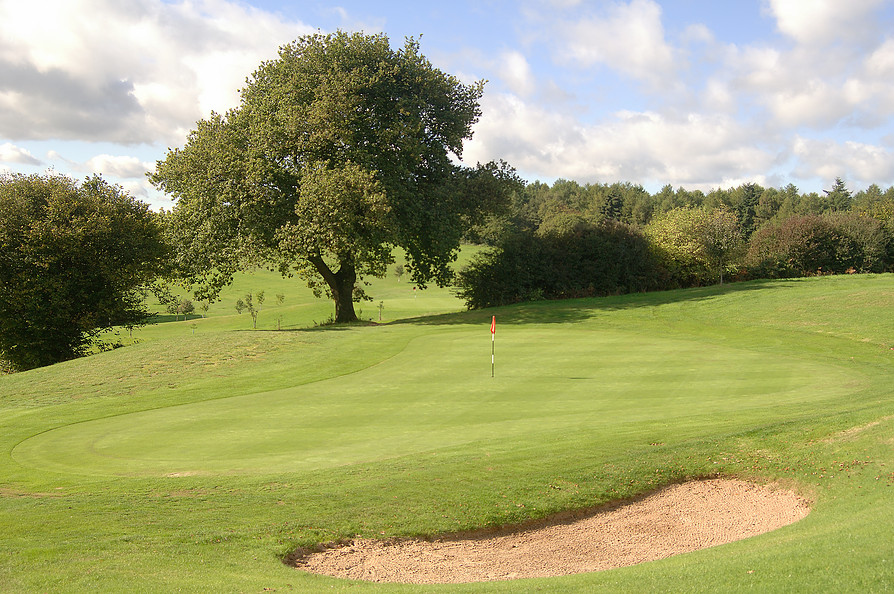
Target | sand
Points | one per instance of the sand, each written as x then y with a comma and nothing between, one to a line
676,519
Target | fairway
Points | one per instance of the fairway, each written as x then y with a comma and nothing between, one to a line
437,392
202,457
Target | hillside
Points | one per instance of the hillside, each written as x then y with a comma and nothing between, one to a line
202,456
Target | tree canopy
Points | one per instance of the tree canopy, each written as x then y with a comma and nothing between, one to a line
695,243
73,258
340,149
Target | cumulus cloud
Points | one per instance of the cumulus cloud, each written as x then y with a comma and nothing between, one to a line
693,150
9,153
628,38
830,78
119,166
136,72
881,62
824,21
854,161
516,73
698,33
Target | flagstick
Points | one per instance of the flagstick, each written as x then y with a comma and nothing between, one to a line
493,340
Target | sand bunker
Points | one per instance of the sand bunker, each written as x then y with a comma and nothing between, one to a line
674,520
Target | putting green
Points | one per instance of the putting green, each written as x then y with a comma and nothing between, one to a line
438,393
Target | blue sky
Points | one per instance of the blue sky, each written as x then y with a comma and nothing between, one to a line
692,93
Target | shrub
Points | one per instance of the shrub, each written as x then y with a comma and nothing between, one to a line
695,245
865,243
595,260
74,258
807,245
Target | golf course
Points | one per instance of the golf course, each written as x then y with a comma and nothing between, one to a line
206,453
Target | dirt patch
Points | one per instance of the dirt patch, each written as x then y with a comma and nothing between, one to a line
677,519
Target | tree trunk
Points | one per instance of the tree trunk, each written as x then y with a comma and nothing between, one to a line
341,285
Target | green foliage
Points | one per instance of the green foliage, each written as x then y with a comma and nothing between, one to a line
252,304
865,244
880,206
570,256
720,236
695,244
747,200
808,245
73,260
839,196
701,239
754,205
607,259
183,307
340,149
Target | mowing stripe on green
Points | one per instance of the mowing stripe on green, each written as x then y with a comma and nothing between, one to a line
438,393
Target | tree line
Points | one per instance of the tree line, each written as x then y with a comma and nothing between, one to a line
343,149
573,240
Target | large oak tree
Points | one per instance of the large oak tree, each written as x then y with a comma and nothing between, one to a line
339,150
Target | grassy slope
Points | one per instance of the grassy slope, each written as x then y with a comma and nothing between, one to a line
399,299
196,461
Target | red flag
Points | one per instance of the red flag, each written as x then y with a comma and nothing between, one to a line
493,325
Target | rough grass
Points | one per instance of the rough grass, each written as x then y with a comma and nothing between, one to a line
197,462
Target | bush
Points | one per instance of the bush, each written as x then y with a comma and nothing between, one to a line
73,258
610,258
866,245
808,245
695,245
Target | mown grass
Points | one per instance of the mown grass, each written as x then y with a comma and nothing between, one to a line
197,462
392,298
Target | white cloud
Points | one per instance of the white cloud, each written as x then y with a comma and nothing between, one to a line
696,151
516,73
628,38
133,72
526,135
852,161
562,4
350,23
710,112
816,103
820,83
119,166
9,153
53,155
719,97
881,61
823,22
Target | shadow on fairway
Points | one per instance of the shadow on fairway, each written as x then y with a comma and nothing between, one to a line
558,311
574,310
160,318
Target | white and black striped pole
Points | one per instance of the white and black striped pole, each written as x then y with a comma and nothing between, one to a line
493,340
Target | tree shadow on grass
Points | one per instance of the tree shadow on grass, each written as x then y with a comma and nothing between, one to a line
576,310
558,311
326,327
160,318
